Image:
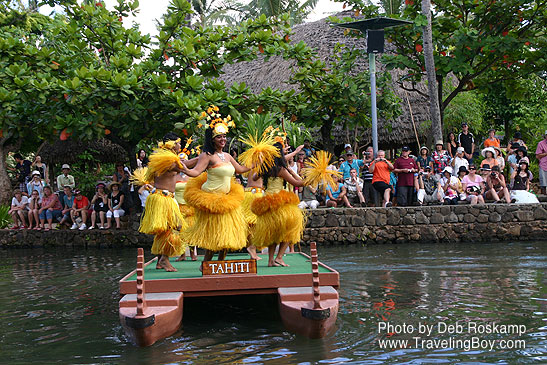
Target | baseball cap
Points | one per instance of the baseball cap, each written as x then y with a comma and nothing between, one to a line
464,123
486,167
460,150
347,145
350,152
406,148
65,166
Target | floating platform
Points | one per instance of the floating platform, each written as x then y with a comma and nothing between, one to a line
152,308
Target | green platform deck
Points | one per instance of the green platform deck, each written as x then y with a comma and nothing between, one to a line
188,278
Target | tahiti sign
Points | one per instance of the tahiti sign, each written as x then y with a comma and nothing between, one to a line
229,267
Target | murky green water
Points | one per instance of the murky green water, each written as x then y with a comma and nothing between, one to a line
60,306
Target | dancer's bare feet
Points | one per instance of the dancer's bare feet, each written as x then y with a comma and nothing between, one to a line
273,264
163,263
222,255
280,262
252,252
193,253
182,257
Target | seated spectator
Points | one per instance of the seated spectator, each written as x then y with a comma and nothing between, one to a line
380,168
429,187
500,158
341,160
424,159
36,183
459,160
34,203
122,175
521,186
350,163
491,141
354,189
309,199
19,210
142,159
68,201
449,184
115,203
79,210
485,171
64,180
100,206
336,197
440,157
489,155
41,167
497,187
51,208
405,167
22,169
461,173
473,185
522,154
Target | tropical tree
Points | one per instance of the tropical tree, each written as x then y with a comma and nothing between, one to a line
298,10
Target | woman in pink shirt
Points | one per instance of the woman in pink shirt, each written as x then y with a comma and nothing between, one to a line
473,185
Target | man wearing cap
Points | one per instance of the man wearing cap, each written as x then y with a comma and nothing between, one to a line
350,163
467,141
405,167
459,160
541,155
79,210
491,141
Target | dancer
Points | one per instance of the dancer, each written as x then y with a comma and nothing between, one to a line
162,216
219,224
254,190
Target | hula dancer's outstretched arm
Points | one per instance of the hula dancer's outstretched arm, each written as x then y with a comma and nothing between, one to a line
201,165
191,163
289,176
239,169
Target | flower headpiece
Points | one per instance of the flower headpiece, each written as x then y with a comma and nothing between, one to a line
187,152
212,119
169,145
277,135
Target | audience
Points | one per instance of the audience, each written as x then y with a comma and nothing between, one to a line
336,197
22,168
429,187
309,199
50,209
19,210
405,167
489,155
369,194
354,190
449,185
350,163
65,180
122,175
459,160
462,171
307,148
473,185
541,155
452,144
115,203
521,185
440,157
380,169
36,183
491,141
41,168
100,206
496,186
142,159
79,211
500,158
34,203
467,141
424,159
68,201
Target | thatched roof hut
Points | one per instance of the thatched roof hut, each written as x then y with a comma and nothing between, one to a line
102,150
322,38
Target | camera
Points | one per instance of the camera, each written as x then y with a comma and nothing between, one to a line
493,174
420,173
367,153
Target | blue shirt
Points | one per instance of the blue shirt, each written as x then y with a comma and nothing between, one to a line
345,167
68,201
335,194
308,151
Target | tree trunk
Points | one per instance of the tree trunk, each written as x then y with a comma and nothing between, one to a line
5,184
436,127
326,130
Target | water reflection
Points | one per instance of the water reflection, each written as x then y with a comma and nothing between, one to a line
61,305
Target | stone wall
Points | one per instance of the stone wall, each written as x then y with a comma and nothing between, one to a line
490,222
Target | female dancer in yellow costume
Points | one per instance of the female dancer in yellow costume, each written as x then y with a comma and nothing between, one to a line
219,224
186,211
253,190
279,219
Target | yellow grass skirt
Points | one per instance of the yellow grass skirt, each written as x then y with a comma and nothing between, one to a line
250,217
162,218
279,219
219,223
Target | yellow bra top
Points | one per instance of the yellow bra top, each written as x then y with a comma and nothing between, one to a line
219,178
275,185
180,187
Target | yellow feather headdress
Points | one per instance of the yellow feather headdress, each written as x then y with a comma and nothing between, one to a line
211,118
169,145
317,171
261,154
187,151
160,162
138,177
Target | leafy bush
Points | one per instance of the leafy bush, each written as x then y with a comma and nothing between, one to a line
5,218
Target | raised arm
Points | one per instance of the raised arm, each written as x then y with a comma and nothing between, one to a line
292,154
200,166
290,177
239,169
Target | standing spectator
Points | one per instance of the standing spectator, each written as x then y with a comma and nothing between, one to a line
429,187
473,185
144,192
347,147
142,159
308,198
424,159
452,144
512,157
34,203
489,155
500,158
350,163
517,138
354,189
100,206
36,183
449,184
300,160
380,168
491,141
22,167
79,210
68,202
405,167
41,167
368,190
64,180
122,175
51,208
308,150
521,185
115,204
336,197
497,187
467,141
440,157
541,155
458,161
19,209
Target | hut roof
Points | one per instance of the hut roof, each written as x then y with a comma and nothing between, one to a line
102,150
322,37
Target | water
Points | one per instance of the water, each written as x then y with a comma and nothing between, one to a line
60,306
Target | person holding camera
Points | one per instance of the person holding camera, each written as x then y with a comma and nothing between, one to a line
381,169
473,185
497,187
429,187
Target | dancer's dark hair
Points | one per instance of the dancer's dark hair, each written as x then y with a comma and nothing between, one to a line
170,137
279,163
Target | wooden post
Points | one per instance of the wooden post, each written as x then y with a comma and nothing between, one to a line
315,276
141,303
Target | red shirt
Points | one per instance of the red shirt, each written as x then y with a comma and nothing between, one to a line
405,178
79,204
